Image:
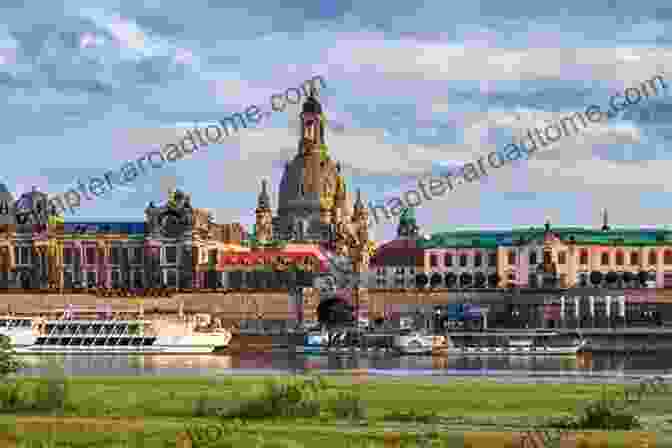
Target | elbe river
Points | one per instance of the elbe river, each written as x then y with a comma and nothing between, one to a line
586,367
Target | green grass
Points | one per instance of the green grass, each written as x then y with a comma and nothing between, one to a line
163,405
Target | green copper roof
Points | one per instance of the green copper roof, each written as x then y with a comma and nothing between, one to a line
490,239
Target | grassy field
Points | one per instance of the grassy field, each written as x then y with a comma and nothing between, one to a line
107,411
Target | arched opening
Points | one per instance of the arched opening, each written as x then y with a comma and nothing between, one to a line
335,312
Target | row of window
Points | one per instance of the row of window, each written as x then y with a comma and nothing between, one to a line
462,260
136,278
562,258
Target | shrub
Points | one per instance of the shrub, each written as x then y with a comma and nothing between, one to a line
348,405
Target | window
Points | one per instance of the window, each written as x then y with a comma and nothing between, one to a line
562,257
171,254
547,257
67,255
433,260
116,278
634,258
584,257
533,257
492,259
91,278
478,260
90,255
171,278
448,260
605,258
653,259
512,257
212,256
115,254
136,255
463,260
25,255
667,258
619,258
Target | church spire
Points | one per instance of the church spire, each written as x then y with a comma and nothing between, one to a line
264,201
605,220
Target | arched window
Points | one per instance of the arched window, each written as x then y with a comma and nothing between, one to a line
433,261
667,258
448,260
463,260
512,256
634,258
605,258
533,257
478,259
653,258
619,258
584,257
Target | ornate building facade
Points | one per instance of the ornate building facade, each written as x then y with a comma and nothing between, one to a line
535,257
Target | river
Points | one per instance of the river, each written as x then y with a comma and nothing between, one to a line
583,367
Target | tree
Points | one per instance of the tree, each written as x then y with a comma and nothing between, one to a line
8,362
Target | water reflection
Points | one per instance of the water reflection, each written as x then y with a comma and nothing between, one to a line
260,363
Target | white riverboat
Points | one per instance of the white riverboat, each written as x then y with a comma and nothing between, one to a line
36,335
509,343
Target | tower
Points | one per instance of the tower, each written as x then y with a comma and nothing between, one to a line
312,141
264,215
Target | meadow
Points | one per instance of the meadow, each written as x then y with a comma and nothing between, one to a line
349,410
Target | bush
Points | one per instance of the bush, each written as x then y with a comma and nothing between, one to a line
599,414
348,405
293,399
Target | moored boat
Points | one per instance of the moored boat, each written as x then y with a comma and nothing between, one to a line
37,335
497,343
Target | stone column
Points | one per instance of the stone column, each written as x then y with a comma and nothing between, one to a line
577,314
571,265
591,302
621,311
608,300
659,268
595,255
562,311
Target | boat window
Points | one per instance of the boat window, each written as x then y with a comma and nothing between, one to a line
40,341
148,341
48,328
60,328
96,328
52,341
88,341
65,341
112,341
107,329
72,328
3,323
14,323
76,341
137,341
100,341
26,323
124,341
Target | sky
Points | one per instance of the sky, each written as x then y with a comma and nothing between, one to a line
413,89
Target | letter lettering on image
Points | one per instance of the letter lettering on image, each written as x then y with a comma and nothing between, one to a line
594,114
188,149
573,120
232,121
274,103
398,207
70,197
408,199
97,186
216,130
437,186
172,152
82,188
469,172
253,114
129,172
499,158
422,186
512,152
52,203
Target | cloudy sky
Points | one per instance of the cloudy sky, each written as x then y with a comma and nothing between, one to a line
414,88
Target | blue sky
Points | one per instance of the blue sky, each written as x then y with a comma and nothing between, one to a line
413,88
